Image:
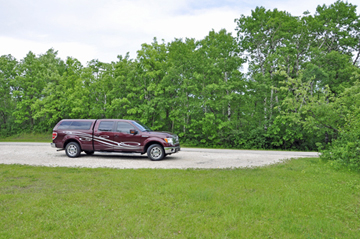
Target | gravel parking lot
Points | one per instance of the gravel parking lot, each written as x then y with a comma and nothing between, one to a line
41,154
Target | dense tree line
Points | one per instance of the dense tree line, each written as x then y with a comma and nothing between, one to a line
300,91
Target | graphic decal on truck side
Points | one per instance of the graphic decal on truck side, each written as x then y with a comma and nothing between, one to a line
104,141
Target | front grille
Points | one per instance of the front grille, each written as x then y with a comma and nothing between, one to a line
176,139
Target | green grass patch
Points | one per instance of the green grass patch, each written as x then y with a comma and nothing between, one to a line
29,137
297,199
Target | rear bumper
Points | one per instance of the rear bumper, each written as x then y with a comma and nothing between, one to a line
172,150
56,145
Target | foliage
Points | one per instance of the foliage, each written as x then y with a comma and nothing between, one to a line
8,72
298,66
345,151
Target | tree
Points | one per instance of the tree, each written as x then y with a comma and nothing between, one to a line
180,83
273,40
220,86
345,150
335,32
337,28
120,78
8,72
29,85
146,92
60,94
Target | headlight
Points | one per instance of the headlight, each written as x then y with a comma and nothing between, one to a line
169,140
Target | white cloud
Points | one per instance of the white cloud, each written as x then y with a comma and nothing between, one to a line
92,29
19,48
122,26
295,7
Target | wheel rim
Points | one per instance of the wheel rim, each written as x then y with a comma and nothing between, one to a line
156,153
72,150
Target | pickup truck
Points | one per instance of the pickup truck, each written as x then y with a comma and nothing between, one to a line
112,135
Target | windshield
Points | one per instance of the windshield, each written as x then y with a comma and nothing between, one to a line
142,127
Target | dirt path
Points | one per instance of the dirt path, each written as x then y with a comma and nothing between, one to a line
42,154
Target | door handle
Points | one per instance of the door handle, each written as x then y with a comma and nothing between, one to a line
116,135
104,136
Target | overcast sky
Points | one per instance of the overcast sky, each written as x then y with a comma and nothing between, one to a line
103,29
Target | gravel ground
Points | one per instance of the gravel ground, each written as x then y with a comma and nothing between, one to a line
41,154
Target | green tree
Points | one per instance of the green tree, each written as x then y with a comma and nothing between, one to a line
60,93
121,77
220,87
180,83
336,28
8,73
345,150
335,43
28,85
273,40
146,91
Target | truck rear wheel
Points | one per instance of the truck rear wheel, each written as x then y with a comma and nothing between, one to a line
73,150
155,152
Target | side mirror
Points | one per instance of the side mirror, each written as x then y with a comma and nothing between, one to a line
132,131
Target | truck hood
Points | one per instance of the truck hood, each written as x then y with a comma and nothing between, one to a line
160,134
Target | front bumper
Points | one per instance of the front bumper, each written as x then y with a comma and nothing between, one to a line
172,150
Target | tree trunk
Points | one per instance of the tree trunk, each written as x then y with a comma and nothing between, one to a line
326,138
358,55
265,115
271,105
227,93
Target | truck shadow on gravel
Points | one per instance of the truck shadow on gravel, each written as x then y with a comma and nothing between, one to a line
115,156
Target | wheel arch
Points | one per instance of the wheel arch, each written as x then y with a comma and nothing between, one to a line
151,142
72,140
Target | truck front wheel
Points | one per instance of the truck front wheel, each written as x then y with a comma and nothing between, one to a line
72,150
156,152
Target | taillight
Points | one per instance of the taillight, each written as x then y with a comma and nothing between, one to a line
54,135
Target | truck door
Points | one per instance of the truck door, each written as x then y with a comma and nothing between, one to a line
104,135
126,141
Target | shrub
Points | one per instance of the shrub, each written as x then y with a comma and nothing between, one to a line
344,151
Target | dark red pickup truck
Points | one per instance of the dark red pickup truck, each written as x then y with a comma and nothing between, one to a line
112,135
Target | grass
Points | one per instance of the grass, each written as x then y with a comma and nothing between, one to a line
28,137
297,199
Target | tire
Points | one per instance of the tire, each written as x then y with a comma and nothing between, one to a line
89,152
73,150
155,152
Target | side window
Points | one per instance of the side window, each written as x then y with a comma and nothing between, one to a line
124,127
65,125
106,125
75,125
81,125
